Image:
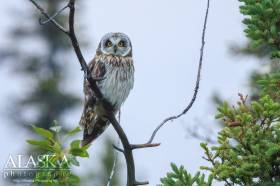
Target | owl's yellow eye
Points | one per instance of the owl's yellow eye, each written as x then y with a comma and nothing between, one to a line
121,44
109,44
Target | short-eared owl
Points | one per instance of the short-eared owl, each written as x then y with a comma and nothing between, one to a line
113,62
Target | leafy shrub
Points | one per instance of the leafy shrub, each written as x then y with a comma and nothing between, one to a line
54,167
248,146
180,177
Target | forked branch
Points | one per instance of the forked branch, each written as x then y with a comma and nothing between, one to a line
43,12
92,82
127,147
52,18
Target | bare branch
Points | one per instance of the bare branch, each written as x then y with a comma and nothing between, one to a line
141,183
92,83
116,157
127,151
78,51
110,115
109,183
197,80
56,24
118,148
131,181
137,146
52,18
145,145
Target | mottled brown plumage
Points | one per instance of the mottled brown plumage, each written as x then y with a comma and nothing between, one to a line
114,63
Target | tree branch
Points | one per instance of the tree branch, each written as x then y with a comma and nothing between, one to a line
171,118
128,148
52,18
56,24
92,83
78,51
110,179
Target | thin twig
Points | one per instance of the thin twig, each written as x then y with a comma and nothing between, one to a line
61,28
110,115
197,80
53,16
127,151
137,146
110,179
78,51
92,83
118,148
131,181
109,183
141,146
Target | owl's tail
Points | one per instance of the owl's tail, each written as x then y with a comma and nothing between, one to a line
91,134
93,126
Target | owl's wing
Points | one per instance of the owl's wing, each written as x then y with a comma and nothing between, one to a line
92,125
98,70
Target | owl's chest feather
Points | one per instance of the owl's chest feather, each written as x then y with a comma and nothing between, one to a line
118,82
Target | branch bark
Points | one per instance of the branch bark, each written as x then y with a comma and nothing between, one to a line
56,24
131,181
127,147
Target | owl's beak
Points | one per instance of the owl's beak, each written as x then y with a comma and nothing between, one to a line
115,49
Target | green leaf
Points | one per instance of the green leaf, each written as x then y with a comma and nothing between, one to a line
75,144
43,144
273,29
43,132
174,168
79,152
73,179
57,147
74,131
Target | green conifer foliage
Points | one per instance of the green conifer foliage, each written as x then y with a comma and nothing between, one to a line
248,148
262,24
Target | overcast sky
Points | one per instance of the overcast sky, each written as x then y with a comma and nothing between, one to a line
166,39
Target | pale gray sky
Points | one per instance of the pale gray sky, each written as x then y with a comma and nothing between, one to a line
166,39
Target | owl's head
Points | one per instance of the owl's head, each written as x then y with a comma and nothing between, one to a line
117,44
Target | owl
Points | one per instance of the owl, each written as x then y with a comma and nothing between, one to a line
114,65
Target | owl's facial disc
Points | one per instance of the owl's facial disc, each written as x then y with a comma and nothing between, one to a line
116,44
